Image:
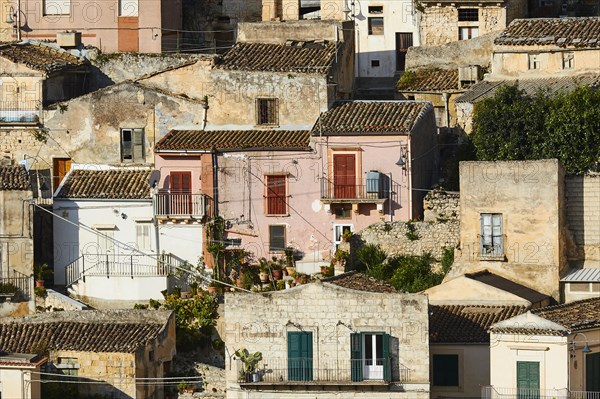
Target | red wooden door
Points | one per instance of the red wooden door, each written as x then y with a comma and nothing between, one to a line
344,175
181,193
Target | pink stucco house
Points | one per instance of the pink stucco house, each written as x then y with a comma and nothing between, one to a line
362,162
111,25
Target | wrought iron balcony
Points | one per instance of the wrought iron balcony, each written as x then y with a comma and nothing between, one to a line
492,392
20,112
369,192
182,206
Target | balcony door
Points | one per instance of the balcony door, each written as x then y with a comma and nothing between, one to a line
181,190
300,356
528,380
344,175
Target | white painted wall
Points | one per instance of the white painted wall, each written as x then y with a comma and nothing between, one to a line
473,372
70,241
182,240
16,383
398,17
550,351
121,288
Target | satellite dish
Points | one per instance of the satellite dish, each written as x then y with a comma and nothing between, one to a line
154,178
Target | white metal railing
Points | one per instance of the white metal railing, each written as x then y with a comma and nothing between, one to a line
19,112
193,205
491,392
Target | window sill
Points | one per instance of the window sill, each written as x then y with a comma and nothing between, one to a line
284,215
495,258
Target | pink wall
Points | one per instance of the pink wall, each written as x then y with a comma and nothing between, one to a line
167,164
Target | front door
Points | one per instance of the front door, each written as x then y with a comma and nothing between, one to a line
181,190
403,42
373,360
60,167
592,372
528,380
300,356
344,175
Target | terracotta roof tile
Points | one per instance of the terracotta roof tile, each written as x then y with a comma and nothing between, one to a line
222,140
82,331
436,80
360,282
39,56
300,57
562,32
14,178
486,89
575,316
104,184
371,117
466,323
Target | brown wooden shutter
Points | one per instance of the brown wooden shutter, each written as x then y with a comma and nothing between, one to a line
276,195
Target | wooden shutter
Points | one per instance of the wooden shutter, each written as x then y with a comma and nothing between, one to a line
138,145
356,358
528,380
181,189
497,237
387,364
344,175
300,356
61,167
276,195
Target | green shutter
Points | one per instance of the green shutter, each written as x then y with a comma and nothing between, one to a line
356,357
528,380
387,364
300,356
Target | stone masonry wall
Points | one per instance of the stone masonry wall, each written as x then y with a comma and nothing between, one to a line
583,216
438,26
439,230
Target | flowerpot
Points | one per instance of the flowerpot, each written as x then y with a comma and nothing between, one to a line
213,290
264,277
255,377
39,283
277,274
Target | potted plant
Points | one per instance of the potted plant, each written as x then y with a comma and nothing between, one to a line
41,272
250,362
264,270
276,271
289,259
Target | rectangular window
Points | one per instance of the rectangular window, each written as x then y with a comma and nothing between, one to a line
468,14
375,25
492,239
276,238
132,145
68,365
567,60
128,8
374,63
342,211
339,232
468,32
375,9
445,370
57,7
267,111
143,233
276,195
300,356
534,61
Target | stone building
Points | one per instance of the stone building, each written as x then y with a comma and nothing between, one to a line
347,336
547,47
110,348
124,26
448,21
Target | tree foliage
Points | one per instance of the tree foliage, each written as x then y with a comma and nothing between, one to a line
513,125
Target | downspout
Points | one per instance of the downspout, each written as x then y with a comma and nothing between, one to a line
205,112
446,98
19,20
410,172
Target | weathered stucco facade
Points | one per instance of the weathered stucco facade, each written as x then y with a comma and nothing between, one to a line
331,314
525,201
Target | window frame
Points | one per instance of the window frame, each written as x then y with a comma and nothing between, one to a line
468,15
375,9
568,60
272,248
472,30
493,240
534,63
379,29
132,141
148,226
270,195
272,115
435,371
57,14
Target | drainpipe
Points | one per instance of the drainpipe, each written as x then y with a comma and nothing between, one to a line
18,20
205,112
446,98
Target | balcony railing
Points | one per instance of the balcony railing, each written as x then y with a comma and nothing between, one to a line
491,392
321,371
15,285
369,192
20,112
116,265
195,206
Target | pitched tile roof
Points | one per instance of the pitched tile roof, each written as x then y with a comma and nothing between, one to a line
14,178
106,184
486,89
223,140
293,56
562,32
84,330
370,117
575,316
528,324
360,282
466,323
428,80
40,57
589,274
504,284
